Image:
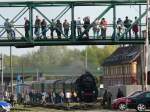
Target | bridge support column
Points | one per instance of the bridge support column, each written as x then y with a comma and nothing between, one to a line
31,22
73,24
140,22
114,22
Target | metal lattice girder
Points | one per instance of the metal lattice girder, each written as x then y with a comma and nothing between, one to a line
30,38
2,17
15,19
60,15
34,4
99,17
49,21
133,24
114,23
73,30
18,14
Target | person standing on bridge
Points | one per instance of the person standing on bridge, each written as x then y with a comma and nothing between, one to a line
43,26
135,28
52,28
86,25
7,27
96,29
26,27
78,24
58,29
66,27
37,27
103,25
127,24
119,26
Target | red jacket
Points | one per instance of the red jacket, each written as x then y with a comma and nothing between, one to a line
135,28
103,24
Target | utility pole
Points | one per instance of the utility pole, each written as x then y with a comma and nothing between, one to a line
146,45
142,59
11,70
2,78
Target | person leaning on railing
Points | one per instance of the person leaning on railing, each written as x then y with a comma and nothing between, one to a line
9,29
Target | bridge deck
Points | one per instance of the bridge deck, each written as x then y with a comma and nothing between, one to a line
45,42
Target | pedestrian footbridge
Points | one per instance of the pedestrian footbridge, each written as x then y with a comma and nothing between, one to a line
20,37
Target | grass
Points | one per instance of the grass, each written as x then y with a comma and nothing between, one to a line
21,108
59,108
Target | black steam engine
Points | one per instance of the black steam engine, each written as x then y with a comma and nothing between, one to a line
86,88
83,86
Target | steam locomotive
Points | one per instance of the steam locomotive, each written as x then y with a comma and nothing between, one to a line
84,86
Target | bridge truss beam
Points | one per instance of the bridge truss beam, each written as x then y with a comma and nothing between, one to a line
72,39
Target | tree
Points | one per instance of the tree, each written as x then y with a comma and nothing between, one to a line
60,56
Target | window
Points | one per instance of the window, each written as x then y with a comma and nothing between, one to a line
109,71
121,70
127,71
118,70
104,70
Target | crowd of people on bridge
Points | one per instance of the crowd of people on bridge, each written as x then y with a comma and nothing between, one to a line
99,28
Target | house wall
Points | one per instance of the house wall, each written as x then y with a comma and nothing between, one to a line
123,74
